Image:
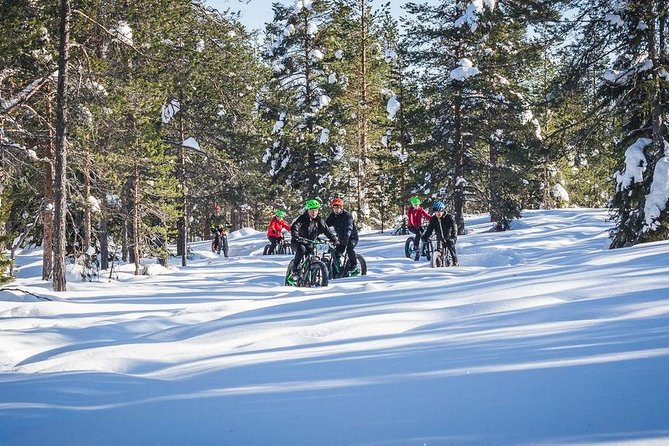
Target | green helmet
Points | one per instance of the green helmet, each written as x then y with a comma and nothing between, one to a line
279,213
415,201
312,204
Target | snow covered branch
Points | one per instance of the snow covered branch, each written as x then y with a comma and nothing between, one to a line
24,95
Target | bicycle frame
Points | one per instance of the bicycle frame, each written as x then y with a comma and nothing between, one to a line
312,271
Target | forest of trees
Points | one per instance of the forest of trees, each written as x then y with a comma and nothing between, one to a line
123,122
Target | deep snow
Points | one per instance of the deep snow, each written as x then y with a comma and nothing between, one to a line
542,336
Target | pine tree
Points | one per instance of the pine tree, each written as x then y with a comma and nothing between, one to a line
483,130
301,97
628,107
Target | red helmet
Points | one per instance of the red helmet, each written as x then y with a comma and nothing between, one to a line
337,202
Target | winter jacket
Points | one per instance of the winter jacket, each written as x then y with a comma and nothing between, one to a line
218,222
305,227
276,224
344,226
415,217
444,227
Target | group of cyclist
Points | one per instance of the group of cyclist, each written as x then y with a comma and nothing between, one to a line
310,224
441,223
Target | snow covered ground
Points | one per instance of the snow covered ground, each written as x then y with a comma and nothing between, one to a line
542,336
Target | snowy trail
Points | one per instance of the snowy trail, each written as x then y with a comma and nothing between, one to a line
541,336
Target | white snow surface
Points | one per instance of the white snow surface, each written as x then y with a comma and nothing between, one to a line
541,336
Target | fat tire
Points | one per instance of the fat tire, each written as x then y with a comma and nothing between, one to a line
318,274
437,260
408,247
362,263
428,249
290,268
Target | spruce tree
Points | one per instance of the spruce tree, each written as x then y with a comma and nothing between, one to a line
474,59
624,45
307,139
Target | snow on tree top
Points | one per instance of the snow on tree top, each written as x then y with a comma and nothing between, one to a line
465,70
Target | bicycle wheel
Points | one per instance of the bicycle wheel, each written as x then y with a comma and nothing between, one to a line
265,251
317,274
329,264
408,247
290,268
362,263
428,249
287,249
437,260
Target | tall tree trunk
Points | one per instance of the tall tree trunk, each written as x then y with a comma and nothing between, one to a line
363,208
86,193
183,229
459,170
403,149
308,88
60,185
656,106
493,186
103,236
126,234
47,218
135,217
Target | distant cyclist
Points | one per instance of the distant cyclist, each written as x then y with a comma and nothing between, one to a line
347,233
415,216
219,227
305,229
276,225
443,225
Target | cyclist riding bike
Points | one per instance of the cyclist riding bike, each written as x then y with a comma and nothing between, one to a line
306,228
219,227
415,216
347,233
276,225
443,225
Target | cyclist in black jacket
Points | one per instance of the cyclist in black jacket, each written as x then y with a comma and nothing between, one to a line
347,233
306,228
443,224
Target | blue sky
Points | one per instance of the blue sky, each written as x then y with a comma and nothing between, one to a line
256,12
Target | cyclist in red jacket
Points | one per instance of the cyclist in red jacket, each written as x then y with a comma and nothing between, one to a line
276,225
415,216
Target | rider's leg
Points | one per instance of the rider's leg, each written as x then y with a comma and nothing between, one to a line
416,232
300,251
350,253
454,255
224,240
273,241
